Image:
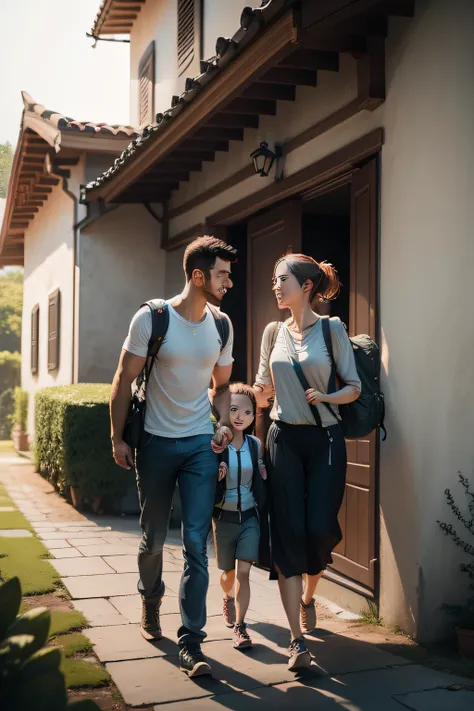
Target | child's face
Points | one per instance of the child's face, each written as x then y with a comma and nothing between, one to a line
241,412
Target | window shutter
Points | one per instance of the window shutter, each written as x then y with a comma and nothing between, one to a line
53,330
189,33
146,72
34,338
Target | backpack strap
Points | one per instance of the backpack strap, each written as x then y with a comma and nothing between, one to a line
160,316
222,325
254,449
332,387
306,386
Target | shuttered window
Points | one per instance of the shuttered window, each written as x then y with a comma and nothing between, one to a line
146,73
34,338
189,35
53,330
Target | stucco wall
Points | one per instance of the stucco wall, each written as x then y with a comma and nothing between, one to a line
426,286
49,265
121,266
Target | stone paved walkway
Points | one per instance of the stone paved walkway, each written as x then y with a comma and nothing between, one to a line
96,558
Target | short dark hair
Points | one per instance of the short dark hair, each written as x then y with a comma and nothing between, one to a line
203,252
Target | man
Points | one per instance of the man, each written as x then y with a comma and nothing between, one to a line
178,434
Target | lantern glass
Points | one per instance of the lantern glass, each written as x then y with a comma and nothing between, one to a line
263,159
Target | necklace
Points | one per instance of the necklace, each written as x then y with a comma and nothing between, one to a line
300,333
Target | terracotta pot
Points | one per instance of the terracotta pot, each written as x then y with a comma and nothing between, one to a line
76,497
465,642
20,439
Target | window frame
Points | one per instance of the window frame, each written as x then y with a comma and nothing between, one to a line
54,298
147,66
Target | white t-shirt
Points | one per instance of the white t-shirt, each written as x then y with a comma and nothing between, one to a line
177,394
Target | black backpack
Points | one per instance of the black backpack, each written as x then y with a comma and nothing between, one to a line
135,422
361,417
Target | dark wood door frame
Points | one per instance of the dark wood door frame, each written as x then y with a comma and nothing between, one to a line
328,168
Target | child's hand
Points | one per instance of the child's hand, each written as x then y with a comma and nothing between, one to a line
262,469
222,471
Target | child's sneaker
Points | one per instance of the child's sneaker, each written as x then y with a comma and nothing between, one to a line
242,639
308,616
300,658
228,611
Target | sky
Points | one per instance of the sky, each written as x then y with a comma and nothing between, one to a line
44,51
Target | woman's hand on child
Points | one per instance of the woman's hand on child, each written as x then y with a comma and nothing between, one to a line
222,471
263,470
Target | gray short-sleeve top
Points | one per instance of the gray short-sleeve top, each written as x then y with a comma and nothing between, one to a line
275,366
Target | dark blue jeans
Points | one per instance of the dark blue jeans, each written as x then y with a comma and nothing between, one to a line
160,463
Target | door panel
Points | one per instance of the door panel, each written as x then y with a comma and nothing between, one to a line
355,556
270,236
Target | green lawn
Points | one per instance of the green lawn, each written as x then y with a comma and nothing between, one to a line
26,558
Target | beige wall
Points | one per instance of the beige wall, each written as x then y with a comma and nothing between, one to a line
48,266
158,21
121,265
426,256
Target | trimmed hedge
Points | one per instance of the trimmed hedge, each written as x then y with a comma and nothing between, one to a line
20,416
72,446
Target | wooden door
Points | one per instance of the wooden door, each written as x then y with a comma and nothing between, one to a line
270,236
355,556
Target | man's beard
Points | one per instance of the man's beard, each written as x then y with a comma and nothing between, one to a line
211,298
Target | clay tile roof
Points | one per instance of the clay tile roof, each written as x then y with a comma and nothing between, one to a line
227,48
66,123
116,18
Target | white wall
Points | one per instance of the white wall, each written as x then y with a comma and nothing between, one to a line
426,285
221,18
121,265
49,265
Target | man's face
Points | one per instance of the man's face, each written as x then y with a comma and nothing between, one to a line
216,286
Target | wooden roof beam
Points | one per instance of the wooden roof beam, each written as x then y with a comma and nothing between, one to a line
263,107
171,177
295,77
233,121
224,134
179,154
276,92
194,145
312,60
25,210
177,164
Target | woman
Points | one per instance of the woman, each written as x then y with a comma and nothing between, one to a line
306,447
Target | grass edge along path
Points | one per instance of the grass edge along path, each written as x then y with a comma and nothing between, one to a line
26,558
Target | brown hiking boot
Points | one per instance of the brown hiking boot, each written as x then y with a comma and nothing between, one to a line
228,611
150,626
308,616
242,639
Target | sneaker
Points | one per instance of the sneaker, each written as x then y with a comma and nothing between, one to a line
308,616
300,658
193,662
150,626
242,639
229,611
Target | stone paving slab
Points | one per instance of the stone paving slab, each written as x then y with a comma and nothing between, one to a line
15,533
83,566
85,541
438,700
65,553
138,680
123,563
107,549
56,543
100,612
124,642
130,606
86,586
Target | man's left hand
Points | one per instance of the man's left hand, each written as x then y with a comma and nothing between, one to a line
222,438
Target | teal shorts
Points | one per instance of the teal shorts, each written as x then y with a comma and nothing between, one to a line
236,541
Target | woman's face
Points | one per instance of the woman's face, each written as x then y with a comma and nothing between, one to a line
286,286
241,412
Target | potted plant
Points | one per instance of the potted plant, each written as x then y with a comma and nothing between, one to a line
463,614
20,421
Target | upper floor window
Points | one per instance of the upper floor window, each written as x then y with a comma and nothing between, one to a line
53,330
146,75
189,35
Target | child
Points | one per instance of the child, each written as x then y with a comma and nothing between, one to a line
239,496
